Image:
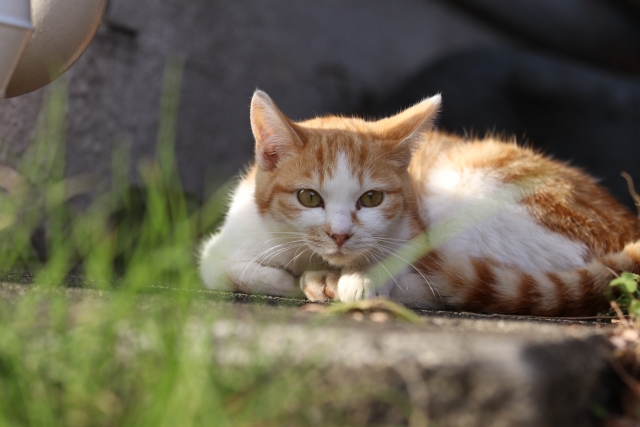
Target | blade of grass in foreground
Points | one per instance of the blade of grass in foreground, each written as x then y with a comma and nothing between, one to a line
120,354
96,361
446,230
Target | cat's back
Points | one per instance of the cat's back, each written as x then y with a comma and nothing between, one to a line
546,204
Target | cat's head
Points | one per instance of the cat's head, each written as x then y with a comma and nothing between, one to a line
341,183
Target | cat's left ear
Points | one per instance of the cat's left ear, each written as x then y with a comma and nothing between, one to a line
405,129
273,131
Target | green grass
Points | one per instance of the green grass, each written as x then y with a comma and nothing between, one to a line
123,361
134,347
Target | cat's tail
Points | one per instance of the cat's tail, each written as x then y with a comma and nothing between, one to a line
480,285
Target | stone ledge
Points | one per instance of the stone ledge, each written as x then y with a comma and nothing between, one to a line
473,372
456,369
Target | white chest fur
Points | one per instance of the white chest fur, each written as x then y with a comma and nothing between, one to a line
248,240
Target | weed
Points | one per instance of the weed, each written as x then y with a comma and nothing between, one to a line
629,300
135,347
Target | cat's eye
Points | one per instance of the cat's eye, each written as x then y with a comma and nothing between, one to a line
309,198
370,199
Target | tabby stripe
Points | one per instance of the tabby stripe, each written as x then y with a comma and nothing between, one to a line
320,155
483,294
593,299
563,296
455,281
286,209
362,159
355,219
430,263
392,210
528,296
265,199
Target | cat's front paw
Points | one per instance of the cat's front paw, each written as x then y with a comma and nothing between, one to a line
357,286
320,286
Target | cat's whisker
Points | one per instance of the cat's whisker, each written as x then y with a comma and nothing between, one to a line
371,264
271,256
267,261
389,238
388,272
278,238
296,256
293,245
239,248
433,289
392,252
379,259
236,259
264,243
316,254
368,260
288,233
266,251
404,243
307,250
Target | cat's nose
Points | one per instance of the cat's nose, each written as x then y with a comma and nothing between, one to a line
340,238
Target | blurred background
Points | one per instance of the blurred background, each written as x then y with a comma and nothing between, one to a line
559,75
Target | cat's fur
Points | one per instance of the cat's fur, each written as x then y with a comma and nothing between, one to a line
530,235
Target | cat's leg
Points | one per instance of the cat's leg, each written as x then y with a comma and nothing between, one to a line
355,285
417,291
225,267
254,278
327,285
409,288
320,286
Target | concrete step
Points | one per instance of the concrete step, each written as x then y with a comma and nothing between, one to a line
456,369
446,369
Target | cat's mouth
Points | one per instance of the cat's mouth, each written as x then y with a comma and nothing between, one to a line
339,255
341,258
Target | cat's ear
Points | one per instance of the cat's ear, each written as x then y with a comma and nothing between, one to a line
405,129
273,131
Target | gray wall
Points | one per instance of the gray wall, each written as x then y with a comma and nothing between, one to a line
312,57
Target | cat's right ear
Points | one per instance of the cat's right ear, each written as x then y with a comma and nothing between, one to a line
273,131
404,130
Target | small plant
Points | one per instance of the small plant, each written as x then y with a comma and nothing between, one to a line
629,299
625,341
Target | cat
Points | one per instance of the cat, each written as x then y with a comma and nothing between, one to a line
508,230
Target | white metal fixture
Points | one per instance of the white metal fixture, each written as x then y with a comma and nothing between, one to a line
15,29
60,31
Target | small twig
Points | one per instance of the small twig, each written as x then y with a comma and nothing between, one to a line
611,270
621,316
530,317
593,317
632,191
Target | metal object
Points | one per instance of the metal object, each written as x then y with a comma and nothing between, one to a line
63,30
15,29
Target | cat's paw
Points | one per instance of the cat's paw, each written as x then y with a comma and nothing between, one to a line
357,286
320,286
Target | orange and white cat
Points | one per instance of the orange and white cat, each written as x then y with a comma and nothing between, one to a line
512,231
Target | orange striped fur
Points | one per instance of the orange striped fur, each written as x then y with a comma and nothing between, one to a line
566,201
550,249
